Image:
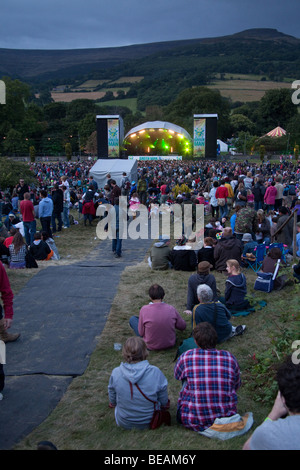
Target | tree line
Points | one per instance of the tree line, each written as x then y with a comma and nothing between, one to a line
31,125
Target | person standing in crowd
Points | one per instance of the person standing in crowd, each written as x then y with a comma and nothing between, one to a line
279,195
270,196
142,190
117,219
258,191
115,193
28,216
45,212
213,200
222,195
22,188
6,309
66,206
58,207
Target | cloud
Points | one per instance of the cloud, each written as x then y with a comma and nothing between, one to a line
72,24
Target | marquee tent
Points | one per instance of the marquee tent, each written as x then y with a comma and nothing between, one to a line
277,132
115,167
223,146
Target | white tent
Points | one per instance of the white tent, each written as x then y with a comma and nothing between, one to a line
115,167
223,146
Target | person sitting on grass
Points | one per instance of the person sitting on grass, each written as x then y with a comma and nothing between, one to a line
52,245
157,321
132,409
210,379
281,429
203,276
39,249
235,288
17,251
215,313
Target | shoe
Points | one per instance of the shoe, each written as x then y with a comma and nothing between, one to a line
66,227
118,256
1,396
239,330
7,337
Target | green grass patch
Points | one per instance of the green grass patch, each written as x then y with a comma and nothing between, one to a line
83,420
130,103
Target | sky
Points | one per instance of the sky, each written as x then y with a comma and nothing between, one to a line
78,24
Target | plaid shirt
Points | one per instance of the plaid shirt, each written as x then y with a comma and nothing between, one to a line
210,380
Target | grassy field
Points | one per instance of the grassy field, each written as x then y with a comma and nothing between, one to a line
245,89
130,103
83,421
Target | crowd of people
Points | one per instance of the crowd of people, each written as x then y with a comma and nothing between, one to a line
246,206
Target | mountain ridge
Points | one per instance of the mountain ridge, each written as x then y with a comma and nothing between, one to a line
29,64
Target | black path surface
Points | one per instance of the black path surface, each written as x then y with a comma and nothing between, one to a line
59,313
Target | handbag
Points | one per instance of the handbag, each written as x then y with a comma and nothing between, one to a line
30,261
159,416
221,201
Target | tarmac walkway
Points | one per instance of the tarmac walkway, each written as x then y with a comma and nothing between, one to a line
60,313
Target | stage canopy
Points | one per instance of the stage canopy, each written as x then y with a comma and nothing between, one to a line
277,132
115,167
158,138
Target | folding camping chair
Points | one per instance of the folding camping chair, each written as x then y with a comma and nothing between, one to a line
260,253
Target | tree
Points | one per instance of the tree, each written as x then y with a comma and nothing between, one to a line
262,152
239,122
91,144
12,171
199,100
15,143
32,153
68,150
276,109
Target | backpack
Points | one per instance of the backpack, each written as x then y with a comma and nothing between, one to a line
127,185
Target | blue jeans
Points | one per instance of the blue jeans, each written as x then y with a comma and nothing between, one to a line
29,231
66,219
134,323
223,211
258,205
117,244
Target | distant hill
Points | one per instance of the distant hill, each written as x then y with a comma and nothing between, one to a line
262,51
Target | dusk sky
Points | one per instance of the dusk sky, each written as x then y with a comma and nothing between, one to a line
76,24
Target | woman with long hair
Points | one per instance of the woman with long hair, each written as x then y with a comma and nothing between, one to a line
17,250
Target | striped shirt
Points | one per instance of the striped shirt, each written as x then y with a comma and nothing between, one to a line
210,381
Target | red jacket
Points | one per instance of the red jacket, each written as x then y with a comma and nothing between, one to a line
222,192
6,293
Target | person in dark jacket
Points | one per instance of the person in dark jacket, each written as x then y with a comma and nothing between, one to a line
258,191
214,313
228,247
206,253
39,249
202,276
235,288
58,207
183,257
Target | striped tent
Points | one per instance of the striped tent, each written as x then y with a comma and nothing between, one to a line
277,132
